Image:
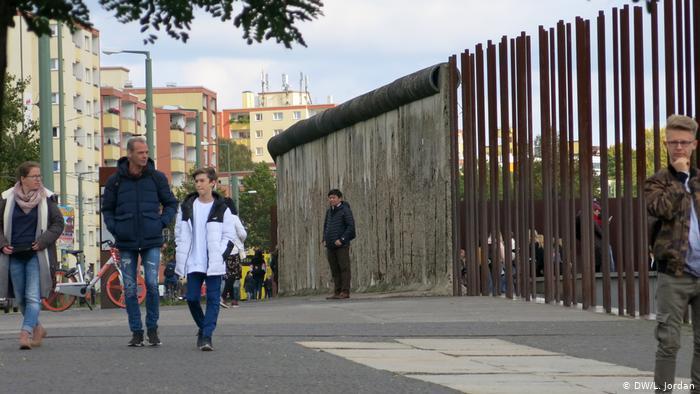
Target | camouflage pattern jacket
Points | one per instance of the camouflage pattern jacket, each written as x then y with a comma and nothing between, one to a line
668,202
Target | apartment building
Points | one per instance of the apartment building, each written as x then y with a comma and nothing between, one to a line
124,115
189,99
81,98
265,115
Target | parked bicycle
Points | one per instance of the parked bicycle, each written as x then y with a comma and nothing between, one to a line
72,284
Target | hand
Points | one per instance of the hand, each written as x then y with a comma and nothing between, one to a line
323,242
338,243
35,246
682,164
7,249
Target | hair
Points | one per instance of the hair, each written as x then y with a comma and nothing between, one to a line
335,192
208,171
133,140
24,168
682,122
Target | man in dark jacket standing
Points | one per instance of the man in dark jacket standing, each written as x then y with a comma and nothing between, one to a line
338,231
137,205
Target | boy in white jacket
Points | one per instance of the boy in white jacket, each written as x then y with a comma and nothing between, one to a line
204,236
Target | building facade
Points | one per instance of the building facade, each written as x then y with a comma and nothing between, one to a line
81,104
265,115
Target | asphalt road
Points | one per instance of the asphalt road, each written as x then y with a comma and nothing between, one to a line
256,346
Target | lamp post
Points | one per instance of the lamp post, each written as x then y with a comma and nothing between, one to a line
149,97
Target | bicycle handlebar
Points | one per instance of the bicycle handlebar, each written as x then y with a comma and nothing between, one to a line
108,242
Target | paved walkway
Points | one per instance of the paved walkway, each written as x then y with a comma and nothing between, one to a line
366,344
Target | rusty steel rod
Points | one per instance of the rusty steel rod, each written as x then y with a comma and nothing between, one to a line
494,228
505,151
603,142
628,213
641,217
655,84
668,55
545,118
481,132
679,56
565,205
529,177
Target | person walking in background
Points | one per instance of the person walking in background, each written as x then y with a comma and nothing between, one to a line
338,231
137,205
233,261
30,224
258,268
274,266
672,199
204,234
249,285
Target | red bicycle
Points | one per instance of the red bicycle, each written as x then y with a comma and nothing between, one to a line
71,284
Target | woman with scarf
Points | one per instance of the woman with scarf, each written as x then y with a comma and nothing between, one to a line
30,224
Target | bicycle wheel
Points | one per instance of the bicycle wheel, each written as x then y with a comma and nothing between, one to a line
59,302
115,290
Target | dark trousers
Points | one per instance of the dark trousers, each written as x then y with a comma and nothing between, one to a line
339,260
205,322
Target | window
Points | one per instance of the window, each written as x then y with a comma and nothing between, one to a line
278,131
54,98
277,116
87,75
54,30
87,43
55,132
258,133
54,64
296,115
56,165
258,151
258,117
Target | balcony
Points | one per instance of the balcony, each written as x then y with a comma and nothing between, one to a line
191,140
177,136
177,166
128,126
110,121
111,152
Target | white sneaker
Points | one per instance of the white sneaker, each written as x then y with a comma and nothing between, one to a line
222,303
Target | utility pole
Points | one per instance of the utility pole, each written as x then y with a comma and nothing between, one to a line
61,118
46,134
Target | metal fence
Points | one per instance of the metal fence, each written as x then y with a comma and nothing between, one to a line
518,177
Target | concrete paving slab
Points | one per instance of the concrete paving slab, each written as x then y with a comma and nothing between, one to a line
503,384
558,365
354,345
475,347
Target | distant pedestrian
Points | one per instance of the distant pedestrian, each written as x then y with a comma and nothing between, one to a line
30,224
204,233
338,231
672,199
137,204
258,269
249,285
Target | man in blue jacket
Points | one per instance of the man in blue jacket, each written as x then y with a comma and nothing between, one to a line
137,205
338,231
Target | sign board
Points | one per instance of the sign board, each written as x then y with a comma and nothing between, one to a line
65,241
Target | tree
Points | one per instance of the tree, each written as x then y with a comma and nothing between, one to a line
17,134
255,207
237,156
260,20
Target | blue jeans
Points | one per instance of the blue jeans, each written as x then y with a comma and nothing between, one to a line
26,283
237,290
205,322
150,259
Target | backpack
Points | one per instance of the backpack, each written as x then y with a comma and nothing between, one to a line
169,269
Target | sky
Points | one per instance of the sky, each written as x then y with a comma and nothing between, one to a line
355,47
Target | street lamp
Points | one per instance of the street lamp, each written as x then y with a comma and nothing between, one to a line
149,96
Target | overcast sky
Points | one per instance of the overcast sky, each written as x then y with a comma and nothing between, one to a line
355,47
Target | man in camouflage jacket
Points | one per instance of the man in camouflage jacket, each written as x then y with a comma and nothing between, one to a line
673,200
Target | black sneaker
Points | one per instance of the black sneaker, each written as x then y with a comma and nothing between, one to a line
136,339
206,345
199,339
153,339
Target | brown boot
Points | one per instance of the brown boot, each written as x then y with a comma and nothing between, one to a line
25,340
39,335
344,295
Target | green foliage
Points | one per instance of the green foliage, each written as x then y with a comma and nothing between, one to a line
18,137
255,207
237,156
